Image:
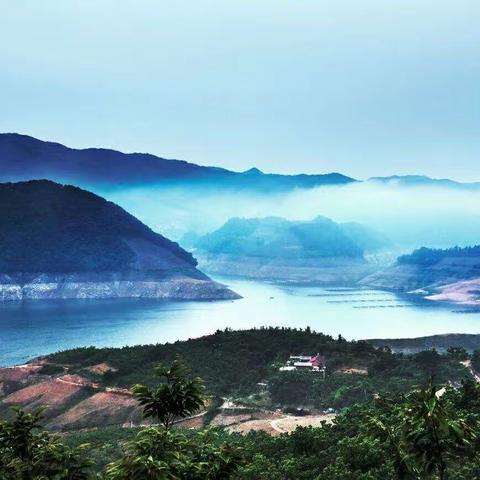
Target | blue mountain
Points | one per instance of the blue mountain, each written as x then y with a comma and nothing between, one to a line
26,158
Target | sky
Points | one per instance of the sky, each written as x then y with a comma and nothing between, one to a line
366,88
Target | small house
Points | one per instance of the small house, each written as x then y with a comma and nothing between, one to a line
313,363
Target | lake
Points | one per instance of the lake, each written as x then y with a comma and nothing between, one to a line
29,329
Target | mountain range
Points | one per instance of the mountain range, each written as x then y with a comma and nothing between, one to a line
26,158
320,250
23,157
424,181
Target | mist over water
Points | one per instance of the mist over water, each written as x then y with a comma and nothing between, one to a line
414,216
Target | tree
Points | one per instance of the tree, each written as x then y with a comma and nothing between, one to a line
469,396
176,455
177,396
163,454
27,452
428,361
476,360
457,353
425,434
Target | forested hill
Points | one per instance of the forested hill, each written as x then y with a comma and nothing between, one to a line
380,437
234,362
367,441
451,274
430,256
469,342
25,158
48,227
275,237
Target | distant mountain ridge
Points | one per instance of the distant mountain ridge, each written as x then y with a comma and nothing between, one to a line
424,181
23,157
61,241
26,158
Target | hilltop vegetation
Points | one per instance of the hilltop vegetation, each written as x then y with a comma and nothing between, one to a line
430,256
451,274
467,341
49,227
232,363
318,251
275,237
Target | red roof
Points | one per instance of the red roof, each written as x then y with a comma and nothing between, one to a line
317,361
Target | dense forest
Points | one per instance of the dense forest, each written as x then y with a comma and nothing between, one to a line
234,362
441,342
430,256
49,227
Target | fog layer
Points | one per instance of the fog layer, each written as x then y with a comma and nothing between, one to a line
408,215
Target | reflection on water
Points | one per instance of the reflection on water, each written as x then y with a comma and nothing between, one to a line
35,328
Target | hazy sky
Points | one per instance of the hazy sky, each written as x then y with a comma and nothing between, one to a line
364,87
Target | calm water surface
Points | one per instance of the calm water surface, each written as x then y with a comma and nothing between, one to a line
39,327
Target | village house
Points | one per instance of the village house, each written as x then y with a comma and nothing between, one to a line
314,363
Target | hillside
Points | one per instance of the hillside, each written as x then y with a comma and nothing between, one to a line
437,274
441,343
272,247
26,158
88,387
61,242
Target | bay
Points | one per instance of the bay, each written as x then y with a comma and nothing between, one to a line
30,329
